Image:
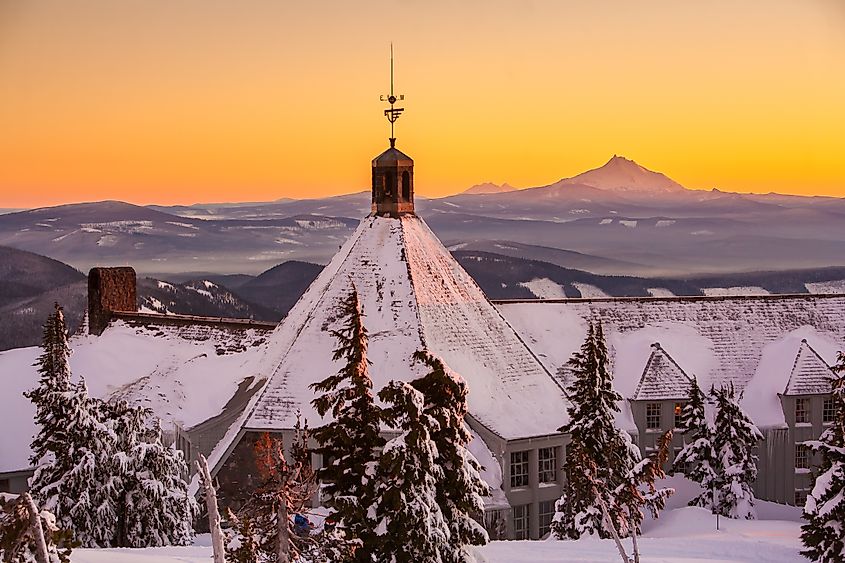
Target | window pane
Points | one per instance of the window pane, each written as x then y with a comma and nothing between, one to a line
520,522
548,465
519,469
802,411
802,456
679,408
828,410
547,512
652,416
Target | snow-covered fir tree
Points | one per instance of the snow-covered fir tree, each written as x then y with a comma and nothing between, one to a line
697,458
73,450
639,492
460,492
54,379
734,440
411,523
595,437
351,441
824,533
157,509
105,476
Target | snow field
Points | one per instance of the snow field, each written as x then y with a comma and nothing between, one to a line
684,535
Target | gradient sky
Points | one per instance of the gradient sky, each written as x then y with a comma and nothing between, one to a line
180,101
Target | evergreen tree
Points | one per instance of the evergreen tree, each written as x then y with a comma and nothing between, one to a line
73,453
594,436
352,440
460,491
639,491
105,477
698,452
734,440
54,380
411,524
158,509
824,533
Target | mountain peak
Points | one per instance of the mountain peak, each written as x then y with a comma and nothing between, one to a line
623,174
489,188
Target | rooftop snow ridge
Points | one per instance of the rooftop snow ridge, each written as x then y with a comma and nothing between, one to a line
414,296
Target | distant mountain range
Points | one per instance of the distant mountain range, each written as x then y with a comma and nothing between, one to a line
30,284
620,219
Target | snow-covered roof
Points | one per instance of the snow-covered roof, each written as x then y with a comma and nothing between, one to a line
414,296
751,341
777,361
662,378
185,374
811,375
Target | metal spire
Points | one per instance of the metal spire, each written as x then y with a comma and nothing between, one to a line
393,113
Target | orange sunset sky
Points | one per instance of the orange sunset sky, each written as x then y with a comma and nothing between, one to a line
180,101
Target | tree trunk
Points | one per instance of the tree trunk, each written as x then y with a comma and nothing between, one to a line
213,513
634,540
612,527
37,531
283,538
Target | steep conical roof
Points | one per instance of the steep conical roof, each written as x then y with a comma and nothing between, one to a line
662,378
810,374
414,296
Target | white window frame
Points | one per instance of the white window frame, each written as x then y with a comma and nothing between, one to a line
546,511
803,456
802,407
521,521
650,416
828,408
547,467
677,412
519,469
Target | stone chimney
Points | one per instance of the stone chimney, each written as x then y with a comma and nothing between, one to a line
110,290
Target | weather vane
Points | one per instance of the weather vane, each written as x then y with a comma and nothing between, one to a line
393,113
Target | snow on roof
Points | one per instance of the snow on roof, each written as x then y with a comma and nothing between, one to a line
491,472
778,361
414,296
811,375
186,375
662,378
716,339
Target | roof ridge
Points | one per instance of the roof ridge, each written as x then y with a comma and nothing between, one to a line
804,344
658,350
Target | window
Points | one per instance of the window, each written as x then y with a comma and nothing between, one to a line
519,469
800,497
802,411
547,512
652,416
802,456
4,486
828,410
548,465
678,410
406,186
520,522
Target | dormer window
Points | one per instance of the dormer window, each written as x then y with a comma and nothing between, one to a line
828,410
802,411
